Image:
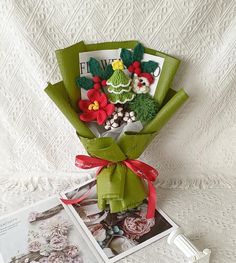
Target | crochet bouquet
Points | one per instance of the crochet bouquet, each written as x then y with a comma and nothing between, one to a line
117,105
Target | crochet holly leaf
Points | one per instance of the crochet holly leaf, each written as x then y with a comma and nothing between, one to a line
84,83
95,67
138,52
106,74
149,66
126,56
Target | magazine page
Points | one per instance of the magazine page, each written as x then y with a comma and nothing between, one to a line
42,233
116,235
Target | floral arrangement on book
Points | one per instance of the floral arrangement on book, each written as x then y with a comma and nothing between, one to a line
117,109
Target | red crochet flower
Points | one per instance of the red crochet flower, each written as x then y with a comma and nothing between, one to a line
96,108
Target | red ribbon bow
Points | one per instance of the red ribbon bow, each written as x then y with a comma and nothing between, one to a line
141,169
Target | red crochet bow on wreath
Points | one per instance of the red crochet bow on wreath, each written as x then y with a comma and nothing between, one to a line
141,169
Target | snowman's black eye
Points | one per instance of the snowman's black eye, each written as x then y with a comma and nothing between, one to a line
143,84
141,80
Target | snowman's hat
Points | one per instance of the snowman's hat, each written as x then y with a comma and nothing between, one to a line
148,76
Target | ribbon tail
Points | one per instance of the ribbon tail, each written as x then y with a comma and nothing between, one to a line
99,170
152,198
78,200
70,201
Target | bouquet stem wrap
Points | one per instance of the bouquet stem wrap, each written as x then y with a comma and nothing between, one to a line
117,184
140,169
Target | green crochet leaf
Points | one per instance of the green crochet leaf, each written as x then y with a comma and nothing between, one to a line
84,83
144,106
95,67
106,74
138,52
126,56
149,66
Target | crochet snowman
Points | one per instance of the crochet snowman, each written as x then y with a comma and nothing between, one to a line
142,82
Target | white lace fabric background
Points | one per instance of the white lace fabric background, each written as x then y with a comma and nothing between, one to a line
195,152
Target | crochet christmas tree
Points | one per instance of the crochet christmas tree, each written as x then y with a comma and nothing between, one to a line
119,85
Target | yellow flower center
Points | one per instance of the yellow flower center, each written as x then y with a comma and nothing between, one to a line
117,64
94,105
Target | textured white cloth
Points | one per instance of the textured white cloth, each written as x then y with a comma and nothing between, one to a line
195,151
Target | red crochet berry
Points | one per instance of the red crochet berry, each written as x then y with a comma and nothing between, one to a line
136,64
97,86
104,83
138,71
96,79
131,68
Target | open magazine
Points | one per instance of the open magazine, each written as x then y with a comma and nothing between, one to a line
49,231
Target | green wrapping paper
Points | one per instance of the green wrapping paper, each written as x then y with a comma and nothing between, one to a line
166,112
58,94
117,186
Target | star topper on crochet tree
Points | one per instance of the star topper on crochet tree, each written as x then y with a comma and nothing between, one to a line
123,182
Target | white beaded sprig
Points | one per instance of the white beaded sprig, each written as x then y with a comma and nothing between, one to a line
129,117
